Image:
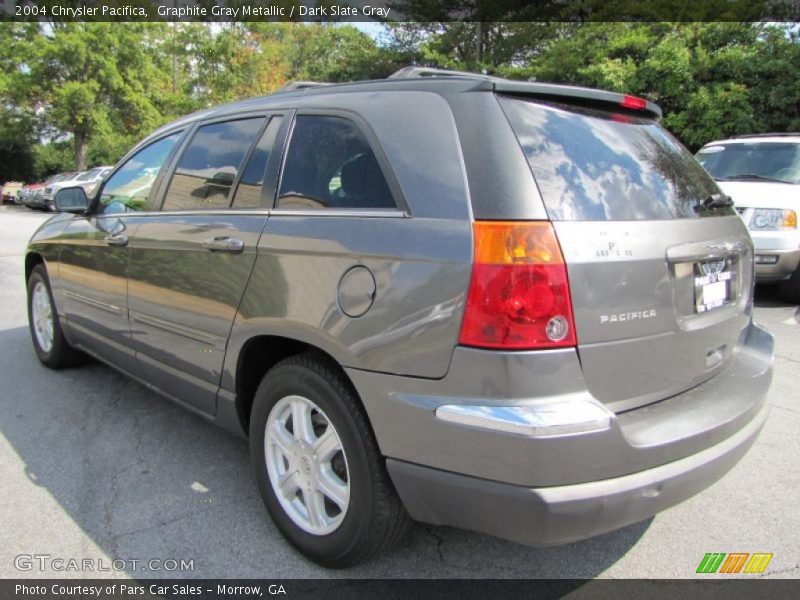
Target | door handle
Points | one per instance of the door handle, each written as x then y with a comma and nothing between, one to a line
223,244
116,240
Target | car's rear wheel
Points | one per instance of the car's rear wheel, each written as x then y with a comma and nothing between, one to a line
790,289
48,338
318,467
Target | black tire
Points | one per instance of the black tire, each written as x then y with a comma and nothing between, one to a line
61,354
790,289
376,518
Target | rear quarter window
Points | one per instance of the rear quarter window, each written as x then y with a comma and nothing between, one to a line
330,165
595,165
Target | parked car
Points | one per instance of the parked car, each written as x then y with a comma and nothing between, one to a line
92,178
68,179
28,191
41,198
9,191
518,308
762,175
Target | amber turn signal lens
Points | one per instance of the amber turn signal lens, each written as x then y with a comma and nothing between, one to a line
515,242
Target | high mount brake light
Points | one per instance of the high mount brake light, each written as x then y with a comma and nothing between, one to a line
519,293
633,102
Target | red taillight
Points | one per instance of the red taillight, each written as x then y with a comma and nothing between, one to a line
633,102
519,294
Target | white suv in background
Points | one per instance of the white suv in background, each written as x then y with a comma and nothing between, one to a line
761,173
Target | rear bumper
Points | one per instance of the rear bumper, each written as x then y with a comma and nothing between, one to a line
557,488
561,514
786,264
402,411
781,246
36,202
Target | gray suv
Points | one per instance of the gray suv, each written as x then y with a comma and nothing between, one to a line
517,308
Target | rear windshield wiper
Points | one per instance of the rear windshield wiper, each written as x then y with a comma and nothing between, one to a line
750,176
714,201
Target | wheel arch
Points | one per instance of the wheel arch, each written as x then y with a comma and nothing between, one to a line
259,354
31,260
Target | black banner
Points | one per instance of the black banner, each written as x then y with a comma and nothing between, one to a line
715,588
401,10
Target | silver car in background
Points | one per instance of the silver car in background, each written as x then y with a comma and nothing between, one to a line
90,179
64,180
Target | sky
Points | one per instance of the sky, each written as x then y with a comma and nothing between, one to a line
371,29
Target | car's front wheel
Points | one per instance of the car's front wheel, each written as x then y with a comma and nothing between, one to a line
51,346
318,467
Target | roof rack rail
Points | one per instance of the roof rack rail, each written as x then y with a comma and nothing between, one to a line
411,72
776,134
299,85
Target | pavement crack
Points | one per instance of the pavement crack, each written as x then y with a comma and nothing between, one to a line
439,547
108,514
175,519
780,571
784,357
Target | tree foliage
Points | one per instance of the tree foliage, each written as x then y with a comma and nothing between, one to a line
79,94
712,80
98,87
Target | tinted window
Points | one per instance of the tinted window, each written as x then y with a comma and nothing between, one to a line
248,194
207,169
130,186
752,161
330,165
596,165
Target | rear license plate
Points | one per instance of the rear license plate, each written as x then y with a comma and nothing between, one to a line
713,284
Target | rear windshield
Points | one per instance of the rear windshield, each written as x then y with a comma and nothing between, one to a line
752,161
594,165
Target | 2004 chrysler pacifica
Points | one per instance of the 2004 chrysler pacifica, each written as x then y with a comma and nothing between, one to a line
518,308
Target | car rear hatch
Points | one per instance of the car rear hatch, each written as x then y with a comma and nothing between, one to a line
659,267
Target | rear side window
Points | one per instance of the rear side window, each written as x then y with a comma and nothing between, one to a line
329,164
593,165
248,194
208,167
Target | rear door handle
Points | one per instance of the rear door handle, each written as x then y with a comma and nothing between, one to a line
116,240
223,244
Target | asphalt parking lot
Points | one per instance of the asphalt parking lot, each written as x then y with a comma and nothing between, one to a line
94,466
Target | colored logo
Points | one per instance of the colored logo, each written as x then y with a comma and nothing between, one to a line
734,562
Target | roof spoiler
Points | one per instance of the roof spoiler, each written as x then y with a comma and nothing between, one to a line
540,90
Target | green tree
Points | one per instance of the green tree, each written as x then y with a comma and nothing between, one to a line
88,79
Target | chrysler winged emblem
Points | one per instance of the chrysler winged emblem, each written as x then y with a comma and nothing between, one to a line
710,268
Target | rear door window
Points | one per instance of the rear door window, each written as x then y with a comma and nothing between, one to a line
208,167
329,164
248,193
595,165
